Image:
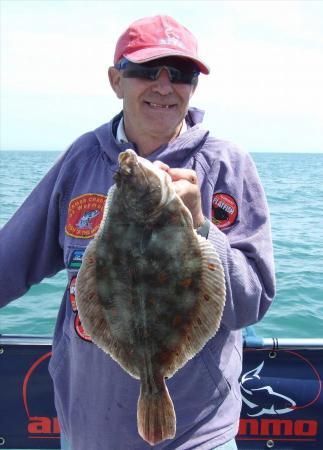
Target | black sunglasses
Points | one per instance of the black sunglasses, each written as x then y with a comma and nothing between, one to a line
178,73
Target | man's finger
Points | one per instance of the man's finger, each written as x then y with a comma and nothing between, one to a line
161,165
183,174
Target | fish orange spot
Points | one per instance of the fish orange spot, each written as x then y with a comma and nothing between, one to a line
162,277
164,357
186,283
177,320
211,266
129,353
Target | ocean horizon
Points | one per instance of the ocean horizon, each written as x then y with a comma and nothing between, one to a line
294,189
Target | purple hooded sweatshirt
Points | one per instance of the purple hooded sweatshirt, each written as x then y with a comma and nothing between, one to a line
96,400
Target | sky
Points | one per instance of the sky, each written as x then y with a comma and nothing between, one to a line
264,92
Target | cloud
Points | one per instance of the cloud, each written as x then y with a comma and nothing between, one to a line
274,78
266,58
297,21
35,62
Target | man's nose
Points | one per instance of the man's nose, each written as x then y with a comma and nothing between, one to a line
162,84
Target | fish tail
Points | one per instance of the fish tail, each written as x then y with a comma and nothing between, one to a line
156,416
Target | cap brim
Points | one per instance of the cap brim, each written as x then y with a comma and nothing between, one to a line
149,54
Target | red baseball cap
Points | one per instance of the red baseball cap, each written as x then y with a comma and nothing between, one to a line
157,37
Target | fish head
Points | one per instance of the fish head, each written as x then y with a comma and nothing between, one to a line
145,188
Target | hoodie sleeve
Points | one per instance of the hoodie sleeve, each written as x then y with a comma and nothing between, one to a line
245,246
29,242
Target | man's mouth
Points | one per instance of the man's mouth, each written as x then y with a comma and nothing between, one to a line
159,106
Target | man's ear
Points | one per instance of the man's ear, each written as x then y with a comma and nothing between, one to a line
194,88
115,79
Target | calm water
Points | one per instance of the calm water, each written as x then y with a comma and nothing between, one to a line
294,187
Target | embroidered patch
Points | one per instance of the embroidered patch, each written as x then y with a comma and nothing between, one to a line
224,210
72,294
80,330
84,215
76,259
77,321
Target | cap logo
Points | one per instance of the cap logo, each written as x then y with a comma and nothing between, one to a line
171,38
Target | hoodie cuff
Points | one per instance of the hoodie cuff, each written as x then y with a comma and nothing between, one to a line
219,242
204,229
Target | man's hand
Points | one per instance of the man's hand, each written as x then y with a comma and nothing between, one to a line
187,188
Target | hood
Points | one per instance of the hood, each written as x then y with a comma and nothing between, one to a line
176,153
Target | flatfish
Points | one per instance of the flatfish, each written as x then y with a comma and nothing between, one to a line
150,291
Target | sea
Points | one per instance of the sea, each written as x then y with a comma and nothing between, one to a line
293,183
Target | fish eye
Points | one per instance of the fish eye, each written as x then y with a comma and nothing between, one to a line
117,177
126,171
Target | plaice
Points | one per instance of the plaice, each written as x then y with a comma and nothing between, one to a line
150,291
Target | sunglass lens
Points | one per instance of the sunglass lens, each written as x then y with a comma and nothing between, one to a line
176,75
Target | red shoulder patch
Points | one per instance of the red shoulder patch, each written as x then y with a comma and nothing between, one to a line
80,330
72,294
84,215
224,210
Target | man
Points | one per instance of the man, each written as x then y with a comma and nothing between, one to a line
155,73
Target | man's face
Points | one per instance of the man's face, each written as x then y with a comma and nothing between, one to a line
152,107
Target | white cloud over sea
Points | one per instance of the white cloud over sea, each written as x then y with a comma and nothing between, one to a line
264,92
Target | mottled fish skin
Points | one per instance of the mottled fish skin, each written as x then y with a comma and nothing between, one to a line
150,291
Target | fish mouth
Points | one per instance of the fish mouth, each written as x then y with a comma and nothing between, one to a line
128,157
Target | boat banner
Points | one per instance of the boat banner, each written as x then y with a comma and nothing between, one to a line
281,392
282,400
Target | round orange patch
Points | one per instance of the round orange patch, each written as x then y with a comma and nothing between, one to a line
84,215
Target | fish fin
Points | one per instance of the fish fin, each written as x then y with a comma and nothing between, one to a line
209,307
88,304
156,416
107,206
213,293
91,310
86,295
